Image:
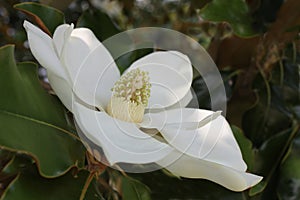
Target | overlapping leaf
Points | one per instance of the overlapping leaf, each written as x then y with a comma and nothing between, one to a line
32,121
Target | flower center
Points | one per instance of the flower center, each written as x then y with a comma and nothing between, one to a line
130,96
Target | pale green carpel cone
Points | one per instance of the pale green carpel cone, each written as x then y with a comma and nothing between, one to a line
130,96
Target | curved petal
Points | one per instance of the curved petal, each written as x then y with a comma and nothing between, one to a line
199,133
189,167
121,141
96,77
91,67
170,75
179,116
61,35
62,89
42,47
180,104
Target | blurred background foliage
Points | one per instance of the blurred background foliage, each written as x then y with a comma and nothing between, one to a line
255,44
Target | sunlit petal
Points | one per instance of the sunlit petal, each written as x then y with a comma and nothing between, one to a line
199,133
42,47
186,166
91,67
121,141
60,36
62,89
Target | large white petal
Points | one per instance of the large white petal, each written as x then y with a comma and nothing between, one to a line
199,133
170,75
182,103
189,167
42,47
62,89
96,77
61,36
121,141
91,67
79,45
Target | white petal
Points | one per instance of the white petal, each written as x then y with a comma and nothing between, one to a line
42,47
96,77
180,104
62,89
90,66
121,141
170,75
199,133
61,35
189,167
79,45
177,116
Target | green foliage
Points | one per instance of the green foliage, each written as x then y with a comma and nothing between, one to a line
99,22
134,190
235,12
46,17
28,184
289,182
33,122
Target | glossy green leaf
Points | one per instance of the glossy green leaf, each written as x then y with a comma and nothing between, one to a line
289,182
245,145
166,187
32,121
235,12
28,184
134,190
202,91
99,22
46,17
269,156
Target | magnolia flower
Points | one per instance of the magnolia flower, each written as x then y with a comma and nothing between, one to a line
116,111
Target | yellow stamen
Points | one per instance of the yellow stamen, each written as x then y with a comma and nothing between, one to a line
130,96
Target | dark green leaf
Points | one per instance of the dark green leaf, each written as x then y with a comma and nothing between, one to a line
289,184
46,17
166,187
235,12
28,184
32,121
134,190
269,157
99,22
202,91
245,145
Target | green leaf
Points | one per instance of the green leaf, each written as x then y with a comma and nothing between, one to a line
235,12
32,121
289,182
245,145
134,190
165,187
202,91
28,184
46,17
100,23
269,157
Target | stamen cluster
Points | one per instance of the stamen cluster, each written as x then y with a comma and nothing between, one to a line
134,87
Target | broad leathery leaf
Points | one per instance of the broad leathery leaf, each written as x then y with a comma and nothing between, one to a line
245,145
99,22
289,181
33,122
46,17
134,190
166,187
235,12
269,157
28,184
